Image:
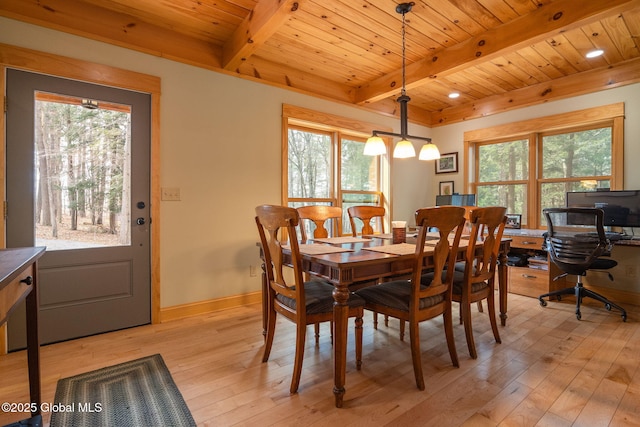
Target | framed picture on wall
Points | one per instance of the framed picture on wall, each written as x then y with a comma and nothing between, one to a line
447,163
513,221
446,188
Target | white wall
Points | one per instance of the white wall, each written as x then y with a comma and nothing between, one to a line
220,144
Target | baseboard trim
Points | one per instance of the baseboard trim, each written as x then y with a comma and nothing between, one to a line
618,296
203,307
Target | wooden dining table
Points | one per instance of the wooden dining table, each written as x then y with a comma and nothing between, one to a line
348,261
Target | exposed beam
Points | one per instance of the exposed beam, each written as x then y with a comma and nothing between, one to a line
549,19
93,22
263,21
577,84
271,73
85,20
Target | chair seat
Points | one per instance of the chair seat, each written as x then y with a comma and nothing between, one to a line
458,281
603,264
319,298
396,295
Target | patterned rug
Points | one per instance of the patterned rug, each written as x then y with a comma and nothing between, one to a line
136,393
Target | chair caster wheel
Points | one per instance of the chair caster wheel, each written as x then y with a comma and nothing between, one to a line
624,317
543,303
559,297
578,316
608,307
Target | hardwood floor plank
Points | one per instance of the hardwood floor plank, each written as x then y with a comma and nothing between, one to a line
550,370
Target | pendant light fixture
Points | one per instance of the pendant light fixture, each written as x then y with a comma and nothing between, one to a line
404,148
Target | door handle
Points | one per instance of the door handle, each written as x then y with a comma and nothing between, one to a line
140,221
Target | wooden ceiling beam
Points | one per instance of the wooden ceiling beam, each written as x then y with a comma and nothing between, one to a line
263,21
608,77
268,72
549,19
97,23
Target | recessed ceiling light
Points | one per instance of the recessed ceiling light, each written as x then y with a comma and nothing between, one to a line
454,95
594,53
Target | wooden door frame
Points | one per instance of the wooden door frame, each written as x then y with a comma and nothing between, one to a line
65,67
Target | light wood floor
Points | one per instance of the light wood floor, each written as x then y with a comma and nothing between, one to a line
550,370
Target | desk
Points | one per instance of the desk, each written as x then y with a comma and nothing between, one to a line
345,269
18,272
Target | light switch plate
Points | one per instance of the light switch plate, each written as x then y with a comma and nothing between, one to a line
171,194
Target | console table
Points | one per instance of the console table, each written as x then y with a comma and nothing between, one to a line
18,272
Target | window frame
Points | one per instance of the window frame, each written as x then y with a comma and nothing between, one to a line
534,129
339,128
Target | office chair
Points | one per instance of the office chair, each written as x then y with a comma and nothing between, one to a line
576,253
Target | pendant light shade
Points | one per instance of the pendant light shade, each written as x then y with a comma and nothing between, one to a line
404,149
375,146
429,152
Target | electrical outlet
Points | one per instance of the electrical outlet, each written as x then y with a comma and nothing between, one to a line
171,194
252,271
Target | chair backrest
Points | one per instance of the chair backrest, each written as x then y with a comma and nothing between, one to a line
573,249
319,215
487,227
366,214
273,223
449,222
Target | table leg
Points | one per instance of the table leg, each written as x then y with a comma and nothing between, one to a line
340,324
33,346
503,279
265,301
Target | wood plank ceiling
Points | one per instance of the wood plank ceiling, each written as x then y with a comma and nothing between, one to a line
497,54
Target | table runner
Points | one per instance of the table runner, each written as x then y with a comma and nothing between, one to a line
408,248
386,236
396,249
315,249
340,240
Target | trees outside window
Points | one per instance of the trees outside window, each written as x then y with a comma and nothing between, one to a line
325,165
530,171
82,157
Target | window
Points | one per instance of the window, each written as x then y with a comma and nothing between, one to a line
324,164
534,168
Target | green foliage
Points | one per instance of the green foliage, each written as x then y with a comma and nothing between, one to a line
84,152
571,161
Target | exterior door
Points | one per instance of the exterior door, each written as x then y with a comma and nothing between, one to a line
78,182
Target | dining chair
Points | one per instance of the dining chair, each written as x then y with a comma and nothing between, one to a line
302,302
414,300
319,215
477,281
366,214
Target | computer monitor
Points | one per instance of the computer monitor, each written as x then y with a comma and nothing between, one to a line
621,208
456,200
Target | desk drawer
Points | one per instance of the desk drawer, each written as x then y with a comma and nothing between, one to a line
525,242
14,292
530,282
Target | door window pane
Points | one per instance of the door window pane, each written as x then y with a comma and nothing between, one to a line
310,166
82,166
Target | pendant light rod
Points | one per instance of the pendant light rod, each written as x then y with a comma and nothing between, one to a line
403,99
